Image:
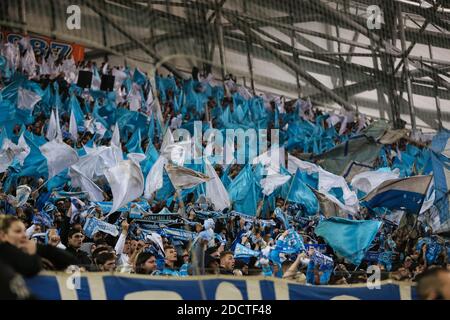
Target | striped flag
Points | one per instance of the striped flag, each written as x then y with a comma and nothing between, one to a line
405,194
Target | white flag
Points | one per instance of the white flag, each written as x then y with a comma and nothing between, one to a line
79,180
115,140
167,140
126,182
59,156
99,129
184,178
328,180
135,98
215,189
295,163
272,182
73,128
51,129
154,179
6,158
27,99
22,150
369,180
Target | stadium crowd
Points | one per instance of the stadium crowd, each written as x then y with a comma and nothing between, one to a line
54,219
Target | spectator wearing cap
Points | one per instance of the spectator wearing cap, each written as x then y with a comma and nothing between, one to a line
74,241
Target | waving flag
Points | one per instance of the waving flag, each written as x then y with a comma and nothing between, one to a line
300,193
329,205
59,156
348,238
75,108
80,180
280,215
215,190
134,144
360,149
154,180
440,158
27,99
369,180
184,178
139,77
405,194
73,128
272,182
126,182
52,127
244,193
329,182
35,164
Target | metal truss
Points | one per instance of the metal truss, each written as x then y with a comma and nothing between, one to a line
270,30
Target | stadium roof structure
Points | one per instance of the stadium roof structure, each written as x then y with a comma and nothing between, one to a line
332,52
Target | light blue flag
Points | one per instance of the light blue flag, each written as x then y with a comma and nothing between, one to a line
134,144
74,106
282,217
225,177
441,171
151,155
3,136
35,164
302,194
244,193
59,180
139,77
151,129
348,238
97,116
166,191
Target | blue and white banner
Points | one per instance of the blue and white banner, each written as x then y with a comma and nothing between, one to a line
107,205
105,286
178,234
241,251
93,225
322,248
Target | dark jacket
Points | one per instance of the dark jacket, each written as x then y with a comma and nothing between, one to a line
12,285
81,257
222,270
60,259
23,263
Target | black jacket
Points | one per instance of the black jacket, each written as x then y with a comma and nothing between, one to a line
60,259
225,271
23,263
81,257
12,285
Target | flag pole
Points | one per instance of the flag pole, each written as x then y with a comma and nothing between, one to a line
43,184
